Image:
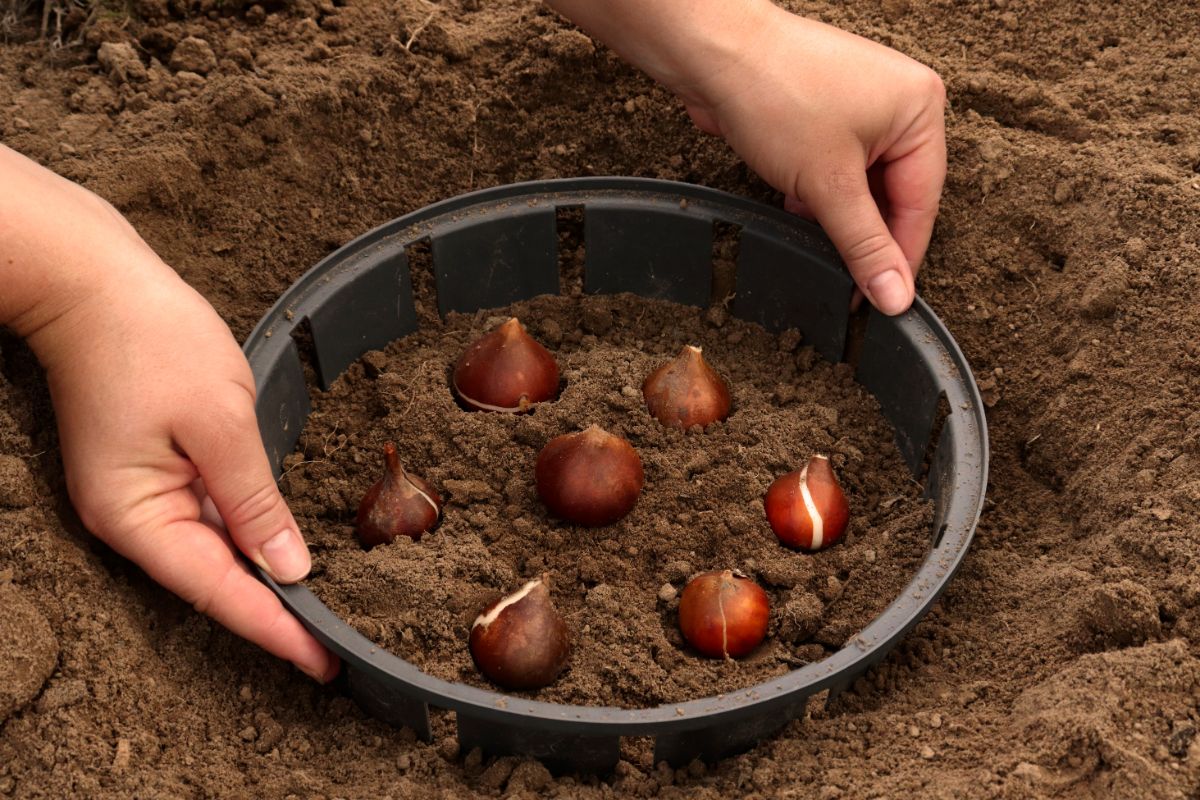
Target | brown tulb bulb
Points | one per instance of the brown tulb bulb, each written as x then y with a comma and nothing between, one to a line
506,370
808,509
591,478
723,614
399,504
520,641
686,391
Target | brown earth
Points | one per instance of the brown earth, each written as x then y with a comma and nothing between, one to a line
1062,661
701,508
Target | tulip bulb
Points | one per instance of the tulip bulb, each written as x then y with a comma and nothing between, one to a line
808,509
723,614
520,641
590,478
506,370
399,504
686,391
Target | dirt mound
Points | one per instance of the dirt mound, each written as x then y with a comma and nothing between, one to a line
29,647
1103,722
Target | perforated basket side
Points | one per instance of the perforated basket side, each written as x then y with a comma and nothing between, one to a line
654,238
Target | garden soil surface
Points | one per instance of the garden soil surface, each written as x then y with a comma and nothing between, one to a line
246,142
701,508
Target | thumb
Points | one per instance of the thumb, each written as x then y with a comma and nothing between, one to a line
228,453
847,211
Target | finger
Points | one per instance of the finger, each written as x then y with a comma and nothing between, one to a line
913,185
703,119
794,205
198,564
846,210
208,509
228,453
875,180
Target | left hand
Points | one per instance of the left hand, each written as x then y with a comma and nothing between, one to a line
155,409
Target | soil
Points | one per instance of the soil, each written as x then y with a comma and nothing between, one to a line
701,508
245,142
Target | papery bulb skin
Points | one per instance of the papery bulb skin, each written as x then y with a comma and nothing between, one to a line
398,504
521,641
686,391
807,508
505,371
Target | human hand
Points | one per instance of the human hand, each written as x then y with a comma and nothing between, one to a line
155,408
851,131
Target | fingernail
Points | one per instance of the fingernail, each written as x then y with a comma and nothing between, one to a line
317,676
323,676
286,556
889,292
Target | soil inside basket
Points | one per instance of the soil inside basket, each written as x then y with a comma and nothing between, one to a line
701,508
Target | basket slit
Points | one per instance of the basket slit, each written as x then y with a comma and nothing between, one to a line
726,241
941,414
382,701
419,255
891,369
856,334
657,249
941,480
572,248
560,752
366,305
719,741
780,285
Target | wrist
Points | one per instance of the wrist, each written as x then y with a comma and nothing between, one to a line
686,45
91,303
702,60
61,247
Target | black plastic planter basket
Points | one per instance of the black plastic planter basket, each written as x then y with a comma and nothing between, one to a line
653,238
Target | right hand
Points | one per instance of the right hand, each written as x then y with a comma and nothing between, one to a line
851,131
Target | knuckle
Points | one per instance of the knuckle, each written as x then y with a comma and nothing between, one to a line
96,508
276,621
232,413
842,184
223,425
934,87
868,249
262,503
244,381
204,598
96,518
